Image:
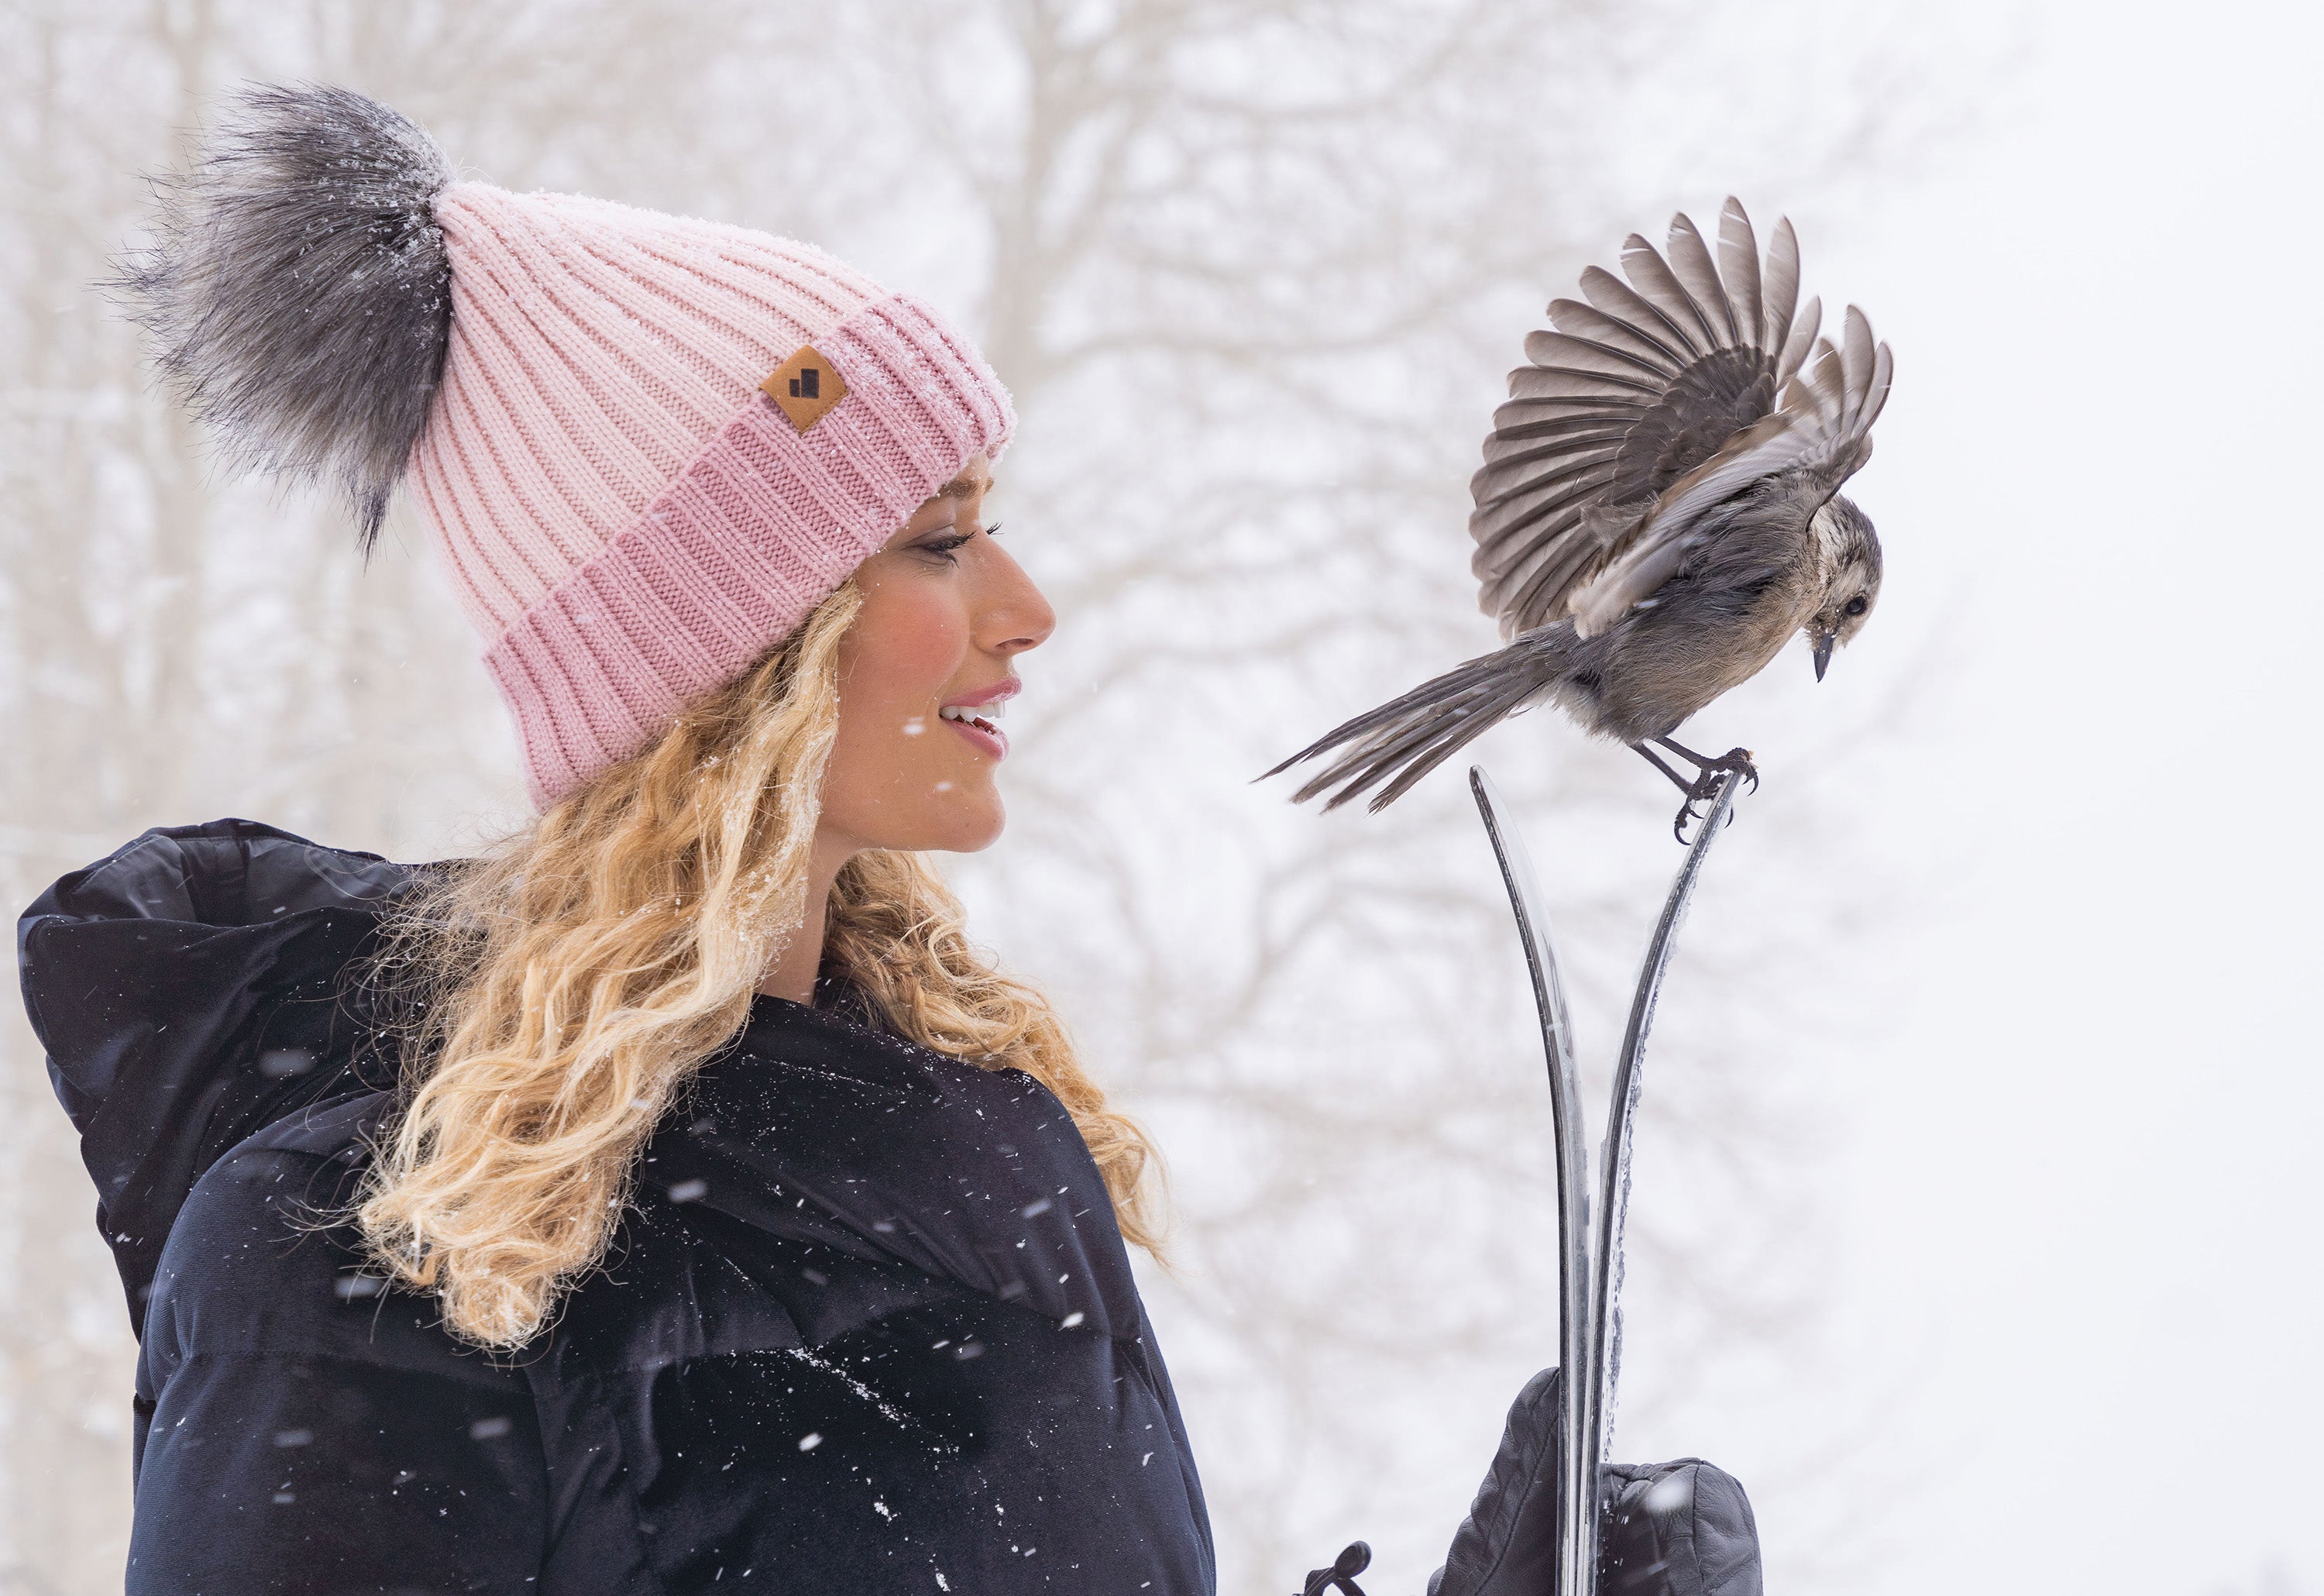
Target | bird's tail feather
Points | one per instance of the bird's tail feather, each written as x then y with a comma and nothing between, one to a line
1405,738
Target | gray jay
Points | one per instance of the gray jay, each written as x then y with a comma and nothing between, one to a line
1657,514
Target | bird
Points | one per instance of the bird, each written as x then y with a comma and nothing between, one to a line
1657,514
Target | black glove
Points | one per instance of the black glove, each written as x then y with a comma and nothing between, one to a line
1680,1528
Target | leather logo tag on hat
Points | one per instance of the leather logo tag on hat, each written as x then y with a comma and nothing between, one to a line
804,388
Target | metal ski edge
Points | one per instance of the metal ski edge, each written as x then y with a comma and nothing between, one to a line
1577,1514
1614,1160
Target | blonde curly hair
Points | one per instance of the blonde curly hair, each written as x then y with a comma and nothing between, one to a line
567,984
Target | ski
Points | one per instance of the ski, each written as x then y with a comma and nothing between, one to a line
1590,1258
1577,1523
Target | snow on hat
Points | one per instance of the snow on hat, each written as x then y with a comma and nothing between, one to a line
647,446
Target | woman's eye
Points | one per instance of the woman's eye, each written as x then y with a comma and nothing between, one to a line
941,544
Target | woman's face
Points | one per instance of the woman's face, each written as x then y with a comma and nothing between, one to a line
923,673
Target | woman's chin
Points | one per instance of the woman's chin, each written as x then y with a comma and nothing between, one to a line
985,832
968,826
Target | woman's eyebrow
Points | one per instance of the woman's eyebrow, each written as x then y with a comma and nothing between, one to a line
965,487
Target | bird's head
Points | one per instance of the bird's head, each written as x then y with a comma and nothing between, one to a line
1848,552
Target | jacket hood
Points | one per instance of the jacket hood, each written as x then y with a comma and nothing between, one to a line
199,988
189,992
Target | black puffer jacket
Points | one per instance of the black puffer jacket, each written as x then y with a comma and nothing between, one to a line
871,1326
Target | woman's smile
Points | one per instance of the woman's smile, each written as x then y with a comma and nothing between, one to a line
977,717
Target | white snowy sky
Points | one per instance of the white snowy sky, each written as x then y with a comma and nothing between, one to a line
2074,1158
2081,1167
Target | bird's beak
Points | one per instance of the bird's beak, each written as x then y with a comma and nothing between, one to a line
1823,641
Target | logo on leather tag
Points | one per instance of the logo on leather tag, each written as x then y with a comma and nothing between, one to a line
804,388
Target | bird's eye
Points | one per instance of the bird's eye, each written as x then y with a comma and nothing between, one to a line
1854,606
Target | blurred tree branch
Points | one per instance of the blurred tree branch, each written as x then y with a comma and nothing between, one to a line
1254,269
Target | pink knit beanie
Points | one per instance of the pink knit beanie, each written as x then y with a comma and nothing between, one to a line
649,446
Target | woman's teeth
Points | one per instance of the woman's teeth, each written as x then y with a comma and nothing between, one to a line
982,720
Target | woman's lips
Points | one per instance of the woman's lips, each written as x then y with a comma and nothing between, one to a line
980,722
985,736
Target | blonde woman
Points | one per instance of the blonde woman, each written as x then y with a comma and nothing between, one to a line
671,1200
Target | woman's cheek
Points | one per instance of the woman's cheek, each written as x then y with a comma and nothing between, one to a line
908,643
927,639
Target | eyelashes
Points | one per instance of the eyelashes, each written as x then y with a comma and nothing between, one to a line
943,548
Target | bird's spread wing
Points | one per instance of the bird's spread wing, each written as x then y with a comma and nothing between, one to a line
1823,430
1631,393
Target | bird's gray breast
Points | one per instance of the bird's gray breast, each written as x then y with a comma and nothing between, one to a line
1751,581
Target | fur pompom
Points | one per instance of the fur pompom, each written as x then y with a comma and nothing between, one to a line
297,291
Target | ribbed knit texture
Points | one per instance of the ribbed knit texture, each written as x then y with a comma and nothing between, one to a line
629,521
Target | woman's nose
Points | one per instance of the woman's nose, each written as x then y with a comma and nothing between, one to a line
1015,616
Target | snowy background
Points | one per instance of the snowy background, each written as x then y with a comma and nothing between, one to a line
1976,1222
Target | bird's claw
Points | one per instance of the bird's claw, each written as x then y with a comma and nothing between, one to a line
1706,788
1685,814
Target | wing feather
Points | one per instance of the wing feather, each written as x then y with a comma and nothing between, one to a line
1488,525
1521,442
1588,321
1539,382
1538,499
1530,548
1562,458
1780,285
1883,370
1698,274
1539,542
1563,349
1824,383
1802,338
1618,299
1531,597
1495,482
1524,413
1659,286
1856,356
1739,267
1530,589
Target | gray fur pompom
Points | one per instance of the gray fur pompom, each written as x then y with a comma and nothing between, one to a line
297,291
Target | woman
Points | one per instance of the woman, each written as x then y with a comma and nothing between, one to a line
671,1198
